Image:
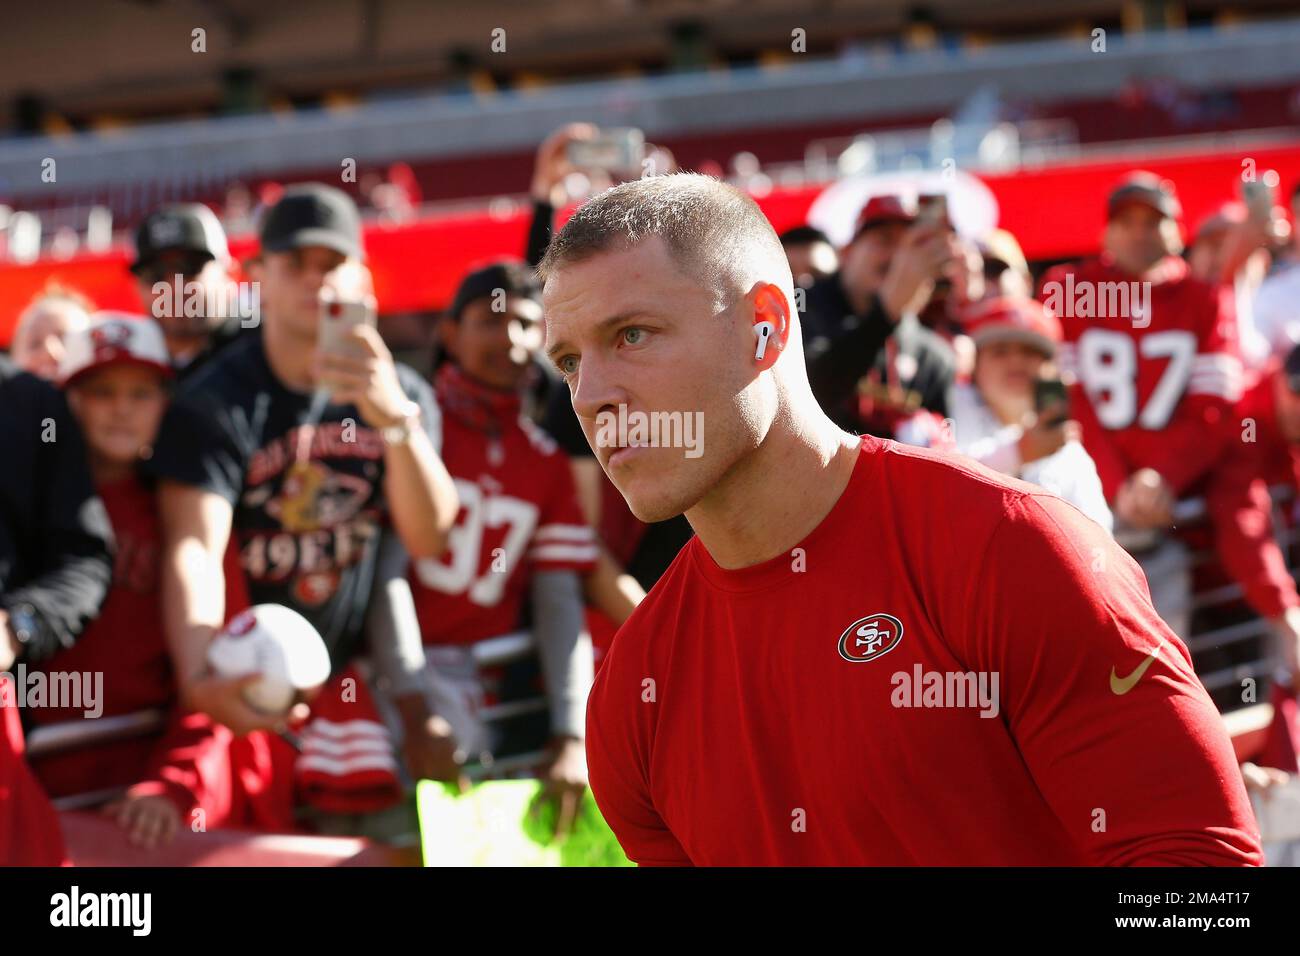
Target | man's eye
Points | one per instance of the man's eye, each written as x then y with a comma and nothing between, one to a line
633,335
568,365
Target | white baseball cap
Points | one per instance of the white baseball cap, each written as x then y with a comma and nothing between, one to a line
114,338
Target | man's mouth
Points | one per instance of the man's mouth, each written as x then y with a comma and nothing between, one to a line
622,454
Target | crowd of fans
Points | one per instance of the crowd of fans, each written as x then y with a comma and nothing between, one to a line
171,471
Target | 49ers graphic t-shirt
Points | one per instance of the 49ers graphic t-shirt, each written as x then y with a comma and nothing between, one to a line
307,494
952,668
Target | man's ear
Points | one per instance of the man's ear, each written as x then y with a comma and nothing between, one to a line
771,323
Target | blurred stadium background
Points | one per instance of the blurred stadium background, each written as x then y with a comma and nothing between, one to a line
109,108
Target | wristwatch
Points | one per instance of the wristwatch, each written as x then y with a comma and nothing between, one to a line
400,433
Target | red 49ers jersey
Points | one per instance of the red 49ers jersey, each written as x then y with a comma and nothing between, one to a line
518,513
1156,365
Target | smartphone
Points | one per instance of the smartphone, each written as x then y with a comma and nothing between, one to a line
619,150
337,317
1051,393
1259,199
932,209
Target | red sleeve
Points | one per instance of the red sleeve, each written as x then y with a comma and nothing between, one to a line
563,540
1202,424
190,765
1240,510
618,772
1132,757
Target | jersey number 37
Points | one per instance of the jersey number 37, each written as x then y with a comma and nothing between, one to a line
461,570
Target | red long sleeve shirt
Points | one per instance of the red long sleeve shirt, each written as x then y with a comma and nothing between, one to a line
1238,503
1155,384
783,713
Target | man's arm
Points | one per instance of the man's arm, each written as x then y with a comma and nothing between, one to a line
564,648
1100,696
618,770
76,540
421,496
196,528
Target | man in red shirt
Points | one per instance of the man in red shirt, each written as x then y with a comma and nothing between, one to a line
520,543
869,654
1153,350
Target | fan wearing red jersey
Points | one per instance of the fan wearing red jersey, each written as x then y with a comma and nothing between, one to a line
520,538
1152,350
868,654
115,374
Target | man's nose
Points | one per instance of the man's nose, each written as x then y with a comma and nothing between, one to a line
598,389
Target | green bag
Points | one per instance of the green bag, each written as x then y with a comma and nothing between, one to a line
494,825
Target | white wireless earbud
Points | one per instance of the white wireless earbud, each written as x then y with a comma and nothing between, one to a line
764,331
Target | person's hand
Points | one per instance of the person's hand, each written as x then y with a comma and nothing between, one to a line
552,164
1145,501
8,643
149,821
1286,634
925,254
564,781
431,751
1263,779
1041,438
367,379
222,699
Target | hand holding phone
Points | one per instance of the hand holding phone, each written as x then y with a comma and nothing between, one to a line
1050,395
618,150
338,316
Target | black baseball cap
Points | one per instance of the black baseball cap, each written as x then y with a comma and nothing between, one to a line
1146,189
188,227
509,276
313,215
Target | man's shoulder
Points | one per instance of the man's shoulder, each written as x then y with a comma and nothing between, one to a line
914,471
231,373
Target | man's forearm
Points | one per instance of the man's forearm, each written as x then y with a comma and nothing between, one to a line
392,626
194,606
69,594
421,495
613,591
564,648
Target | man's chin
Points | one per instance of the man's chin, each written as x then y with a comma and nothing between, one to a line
650,508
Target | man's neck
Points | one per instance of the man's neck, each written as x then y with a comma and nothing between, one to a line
184,348
106,470
778,495
291,358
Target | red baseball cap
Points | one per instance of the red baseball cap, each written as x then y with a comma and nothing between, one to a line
114,338
1013,319
883,209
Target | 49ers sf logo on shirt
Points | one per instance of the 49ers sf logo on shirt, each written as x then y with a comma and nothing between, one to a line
869,637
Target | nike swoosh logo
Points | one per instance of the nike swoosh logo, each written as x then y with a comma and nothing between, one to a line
1120,686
